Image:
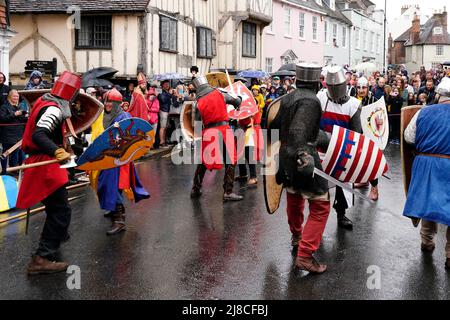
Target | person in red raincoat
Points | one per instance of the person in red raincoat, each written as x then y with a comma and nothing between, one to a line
43,140
212,108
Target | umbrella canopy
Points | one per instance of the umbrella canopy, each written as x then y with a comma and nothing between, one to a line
168,76
284,73
102,72
96,82
366,67
254,74
288,67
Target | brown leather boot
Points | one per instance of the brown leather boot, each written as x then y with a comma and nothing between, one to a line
39,265
427,248
118,221
310,264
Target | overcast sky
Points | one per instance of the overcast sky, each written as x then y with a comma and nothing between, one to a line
394,6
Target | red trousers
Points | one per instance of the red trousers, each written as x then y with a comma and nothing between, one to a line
312,233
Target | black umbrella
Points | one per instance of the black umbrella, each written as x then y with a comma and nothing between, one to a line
284,73
96,82
289,67
102,73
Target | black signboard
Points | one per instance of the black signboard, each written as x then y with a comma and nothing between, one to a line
48,68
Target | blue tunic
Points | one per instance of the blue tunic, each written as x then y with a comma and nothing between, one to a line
429,192
108,183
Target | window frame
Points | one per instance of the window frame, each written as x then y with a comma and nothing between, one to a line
315,27
207,31
93,19
175,21
301,27
441,51
252,25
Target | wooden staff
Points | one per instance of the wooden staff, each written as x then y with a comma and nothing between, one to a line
12,149
67,164
31,212
33,165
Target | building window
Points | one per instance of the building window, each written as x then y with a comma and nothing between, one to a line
335,35
365,40
378,43
372,42
357,37
95,33
168,34
439,50
302,25
204,43
249,40
344,36
269,65
314,27
437,30
325,28
287,21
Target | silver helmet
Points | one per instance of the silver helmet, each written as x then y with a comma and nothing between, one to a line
363,82
308,72
336,83
443,88
198,81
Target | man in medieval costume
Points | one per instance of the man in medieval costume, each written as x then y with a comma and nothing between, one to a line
113,185
366,97
44,139
138,106
298,121
211,109
428,197
339,109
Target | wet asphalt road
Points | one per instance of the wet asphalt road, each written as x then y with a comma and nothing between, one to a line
178,248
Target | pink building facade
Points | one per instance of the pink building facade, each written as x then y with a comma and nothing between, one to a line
296,34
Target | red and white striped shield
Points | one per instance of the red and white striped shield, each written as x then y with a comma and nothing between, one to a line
353,158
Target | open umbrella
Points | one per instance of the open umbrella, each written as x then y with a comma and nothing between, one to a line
288,67
253,74
102,72
96,82
168,76
97,77
284,73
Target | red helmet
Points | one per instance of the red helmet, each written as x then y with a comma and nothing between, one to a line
113,95
67,86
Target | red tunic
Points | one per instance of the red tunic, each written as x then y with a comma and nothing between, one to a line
40,182
258,137
213,109
138,106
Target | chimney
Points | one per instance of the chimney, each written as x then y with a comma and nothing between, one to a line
404,8
444,20
415,30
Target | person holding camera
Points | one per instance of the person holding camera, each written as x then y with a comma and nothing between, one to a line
12,124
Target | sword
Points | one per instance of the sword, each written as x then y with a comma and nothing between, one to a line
342,185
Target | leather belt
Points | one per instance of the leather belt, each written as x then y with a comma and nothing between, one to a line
217,124
442,156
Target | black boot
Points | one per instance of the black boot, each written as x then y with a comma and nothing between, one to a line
109,214
118,218
344,222
198,181
447,264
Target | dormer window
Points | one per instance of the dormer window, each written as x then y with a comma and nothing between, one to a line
438,31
